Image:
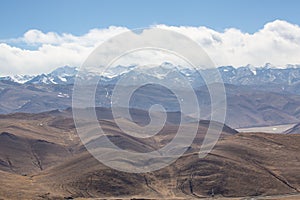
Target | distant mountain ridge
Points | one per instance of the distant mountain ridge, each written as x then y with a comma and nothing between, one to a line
255,96
61,75
245,75
250,75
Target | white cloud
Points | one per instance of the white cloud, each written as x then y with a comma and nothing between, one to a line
277,42
53,50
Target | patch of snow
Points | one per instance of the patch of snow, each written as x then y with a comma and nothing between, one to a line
63,79
252,69
61,95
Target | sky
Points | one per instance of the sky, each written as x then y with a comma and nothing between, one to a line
38,36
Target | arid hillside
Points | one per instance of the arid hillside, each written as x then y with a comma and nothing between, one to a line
42,157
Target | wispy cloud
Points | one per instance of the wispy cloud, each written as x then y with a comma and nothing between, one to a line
278,42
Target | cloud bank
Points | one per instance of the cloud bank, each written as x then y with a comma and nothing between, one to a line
278,42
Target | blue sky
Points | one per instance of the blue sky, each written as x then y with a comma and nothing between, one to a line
38,36
79,16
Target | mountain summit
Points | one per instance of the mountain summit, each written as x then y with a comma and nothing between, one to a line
245,75
61,75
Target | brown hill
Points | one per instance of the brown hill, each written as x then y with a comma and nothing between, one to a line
243,164
25,156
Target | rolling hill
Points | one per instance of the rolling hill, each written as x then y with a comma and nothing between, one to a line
42,158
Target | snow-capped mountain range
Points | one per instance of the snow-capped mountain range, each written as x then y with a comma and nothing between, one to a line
255,95
62,75
247,75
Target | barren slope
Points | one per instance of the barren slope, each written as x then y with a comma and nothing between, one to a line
243,164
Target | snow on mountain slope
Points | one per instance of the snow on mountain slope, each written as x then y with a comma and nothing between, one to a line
62,75
245,75
17,78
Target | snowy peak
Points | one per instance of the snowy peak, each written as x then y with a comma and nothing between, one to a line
17,78
118,70
250,75
41,79
245,75
64,71
62,75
